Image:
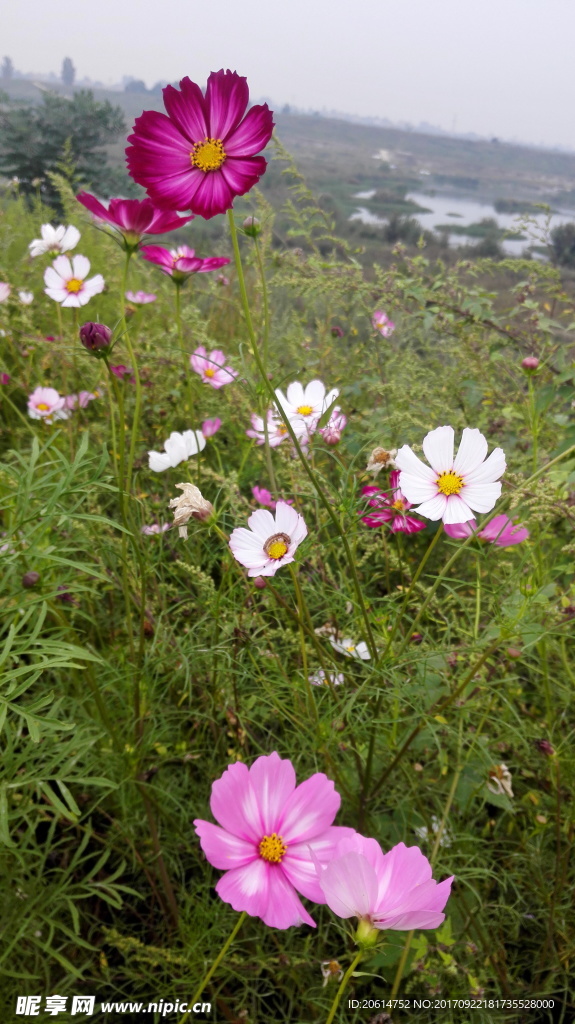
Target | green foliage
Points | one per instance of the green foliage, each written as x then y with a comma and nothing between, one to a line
563,245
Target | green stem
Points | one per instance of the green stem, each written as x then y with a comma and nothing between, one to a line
134,364
411,587
302,458
214,966
343,986
401,964
185,358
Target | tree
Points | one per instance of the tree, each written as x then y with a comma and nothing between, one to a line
563,245
135,85
7,69
35,139
68,73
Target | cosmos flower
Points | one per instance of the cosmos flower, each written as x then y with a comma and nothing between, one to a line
177,448
270,542
141,298
332,431
391,508
501,531
55,240
181,262
191,504
202,154
308,403
350,648
382,323
264,497
123,372
154,528
5,290
65,282
277,430
212,368
451,488
133,218
26,298
380,459
393,891
211,427
269,830
321,678
46,404
79,401
500,779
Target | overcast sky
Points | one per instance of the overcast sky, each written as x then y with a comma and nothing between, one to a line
495,67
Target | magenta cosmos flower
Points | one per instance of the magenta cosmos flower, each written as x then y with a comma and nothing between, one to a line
391,508
180,263
264,497
211,367
269,543
394,890
201,154
500,531
66,282
451,488
133,217
270,831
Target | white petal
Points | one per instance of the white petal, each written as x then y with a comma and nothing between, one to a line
81,266
158,461
457,511
314,394
73,300
434,508
471,452
415,489
438,448
94,286
262,523
488,471
58,294
287,519
407,460
295,396
481,497
70,239
63,267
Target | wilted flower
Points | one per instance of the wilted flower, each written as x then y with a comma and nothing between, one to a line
212,368
332,431
382,323
323,678
177,448
391,508
500,780
141,298
270,831
95,337
211,427
65,282
337,332
331,970
5,290
46,404
26,298
350,648
203,153
451,488
545,747
191,504
380,459
55,240
270,542
123,372
181,262
500,531
154,528
30,579
133,218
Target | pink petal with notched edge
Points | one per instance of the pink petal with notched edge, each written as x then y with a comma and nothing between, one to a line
246,888
273,782
300,860
349,885
285,909
252,135
401,868
310,809
233,803
227,97
187,109
459,531
438,449
503,532
222,849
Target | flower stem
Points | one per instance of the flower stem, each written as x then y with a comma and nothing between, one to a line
214,966
342,986
187,377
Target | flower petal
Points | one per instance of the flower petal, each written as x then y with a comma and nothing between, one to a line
227,97
310,809
222,849
187,109
433,508
490,470
300,860
438,448
285,909
481,497
471,452
234,805
273,782
253,134
457,511
246,888
349,884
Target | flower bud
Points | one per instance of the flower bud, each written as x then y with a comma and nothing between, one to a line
96,338
30,579
4,378
260,582
252,227
336,332
530,364
545,747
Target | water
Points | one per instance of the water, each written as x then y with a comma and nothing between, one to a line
456,210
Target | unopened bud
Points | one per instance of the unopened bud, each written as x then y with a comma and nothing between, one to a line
530,364
96,338
260,582
545,747
30,579
252,227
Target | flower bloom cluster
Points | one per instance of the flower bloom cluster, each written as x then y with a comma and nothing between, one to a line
276,840
211,367
48,405
211,427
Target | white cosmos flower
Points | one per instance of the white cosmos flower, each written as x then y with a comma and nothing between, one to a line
26,298
451,488
323,678
277,431
308,403
350,648
56,240
177,448
270,542
65,282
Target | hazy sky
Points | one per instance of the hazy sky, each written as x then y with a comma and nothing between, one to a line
496,67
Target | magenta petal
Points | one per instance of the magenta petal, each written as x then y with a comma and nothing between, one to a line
243,173
227,96
213,195
273,782
253,134
285,909
234,804
310,809
94,206
158,149
222,849
187,109
246,888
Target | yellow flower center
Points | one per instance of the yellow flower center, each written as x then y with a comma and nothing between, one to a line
276,546
209,372
350,648
73,285
272,848
305,410
208,155
43,406
450,483
399,505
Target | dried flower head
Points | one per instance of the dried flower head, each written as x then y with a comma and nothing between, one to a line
500,780
381,459
189,505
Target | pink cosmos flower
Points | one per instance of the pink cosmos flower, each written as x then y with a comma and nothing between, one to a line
180,263
382,323
308,403
394,890
277,431
269,543
211,427
391,508
500,531
4,291
154,528
46,404
79,401
141,298
133,217
203,153
123,372
212,368
270,831
451,488
65,282
332,431
4,378
264,497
